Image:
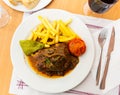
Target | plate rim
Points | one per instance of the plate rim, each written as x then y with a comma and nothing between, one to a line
65,13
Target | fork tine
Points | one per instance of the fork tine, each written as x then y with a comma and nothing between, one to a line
103,33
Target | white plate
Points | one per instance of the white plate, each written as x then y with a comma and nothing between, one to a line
22,8
46,84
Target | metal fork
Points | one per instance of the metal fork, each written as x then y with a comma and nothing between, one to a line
101,39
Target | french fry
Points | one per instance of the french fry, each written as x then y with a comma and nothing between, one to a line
34,37
40,27
68,22
51,43
47,25
65,39
57,34
64,29
54,24
53,32
43,21
45,37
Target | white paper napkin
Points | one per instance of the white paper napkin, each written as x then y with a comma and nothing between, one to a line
89,84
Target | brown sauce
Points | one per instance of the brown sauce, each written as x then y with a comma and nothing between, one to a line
53,62
40,73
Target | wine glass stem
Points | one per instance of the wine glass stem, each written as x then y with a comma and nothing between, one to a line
4,16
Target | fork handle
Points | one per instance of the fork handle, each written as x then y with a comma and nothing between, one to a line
99,69
103,82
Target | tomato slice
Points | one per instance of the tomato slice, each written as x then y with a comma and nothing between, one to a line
77,46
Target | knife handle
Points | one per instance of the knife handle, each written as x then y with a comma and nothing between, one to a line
103,82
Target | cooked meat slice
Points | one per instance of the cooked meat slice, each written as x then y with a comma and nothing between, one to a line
55,60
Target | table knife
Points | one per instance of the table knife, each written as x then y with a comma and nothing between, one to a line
110,49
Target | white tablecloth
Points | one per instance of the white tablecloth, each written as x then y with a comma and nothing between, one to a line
88,87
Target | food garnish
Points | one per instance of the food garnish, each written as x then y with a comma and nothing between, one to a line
29,46
77,46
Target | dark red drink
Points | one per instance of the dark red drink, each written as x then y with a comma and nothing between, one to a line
101,6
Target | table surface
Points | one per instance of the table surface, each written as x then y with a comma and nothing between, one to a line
6,33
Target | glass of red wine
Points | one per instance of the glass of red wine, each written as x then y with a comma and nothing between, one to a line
98,6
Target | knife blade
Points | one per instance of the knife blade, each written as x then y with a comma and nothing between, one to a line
110,49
